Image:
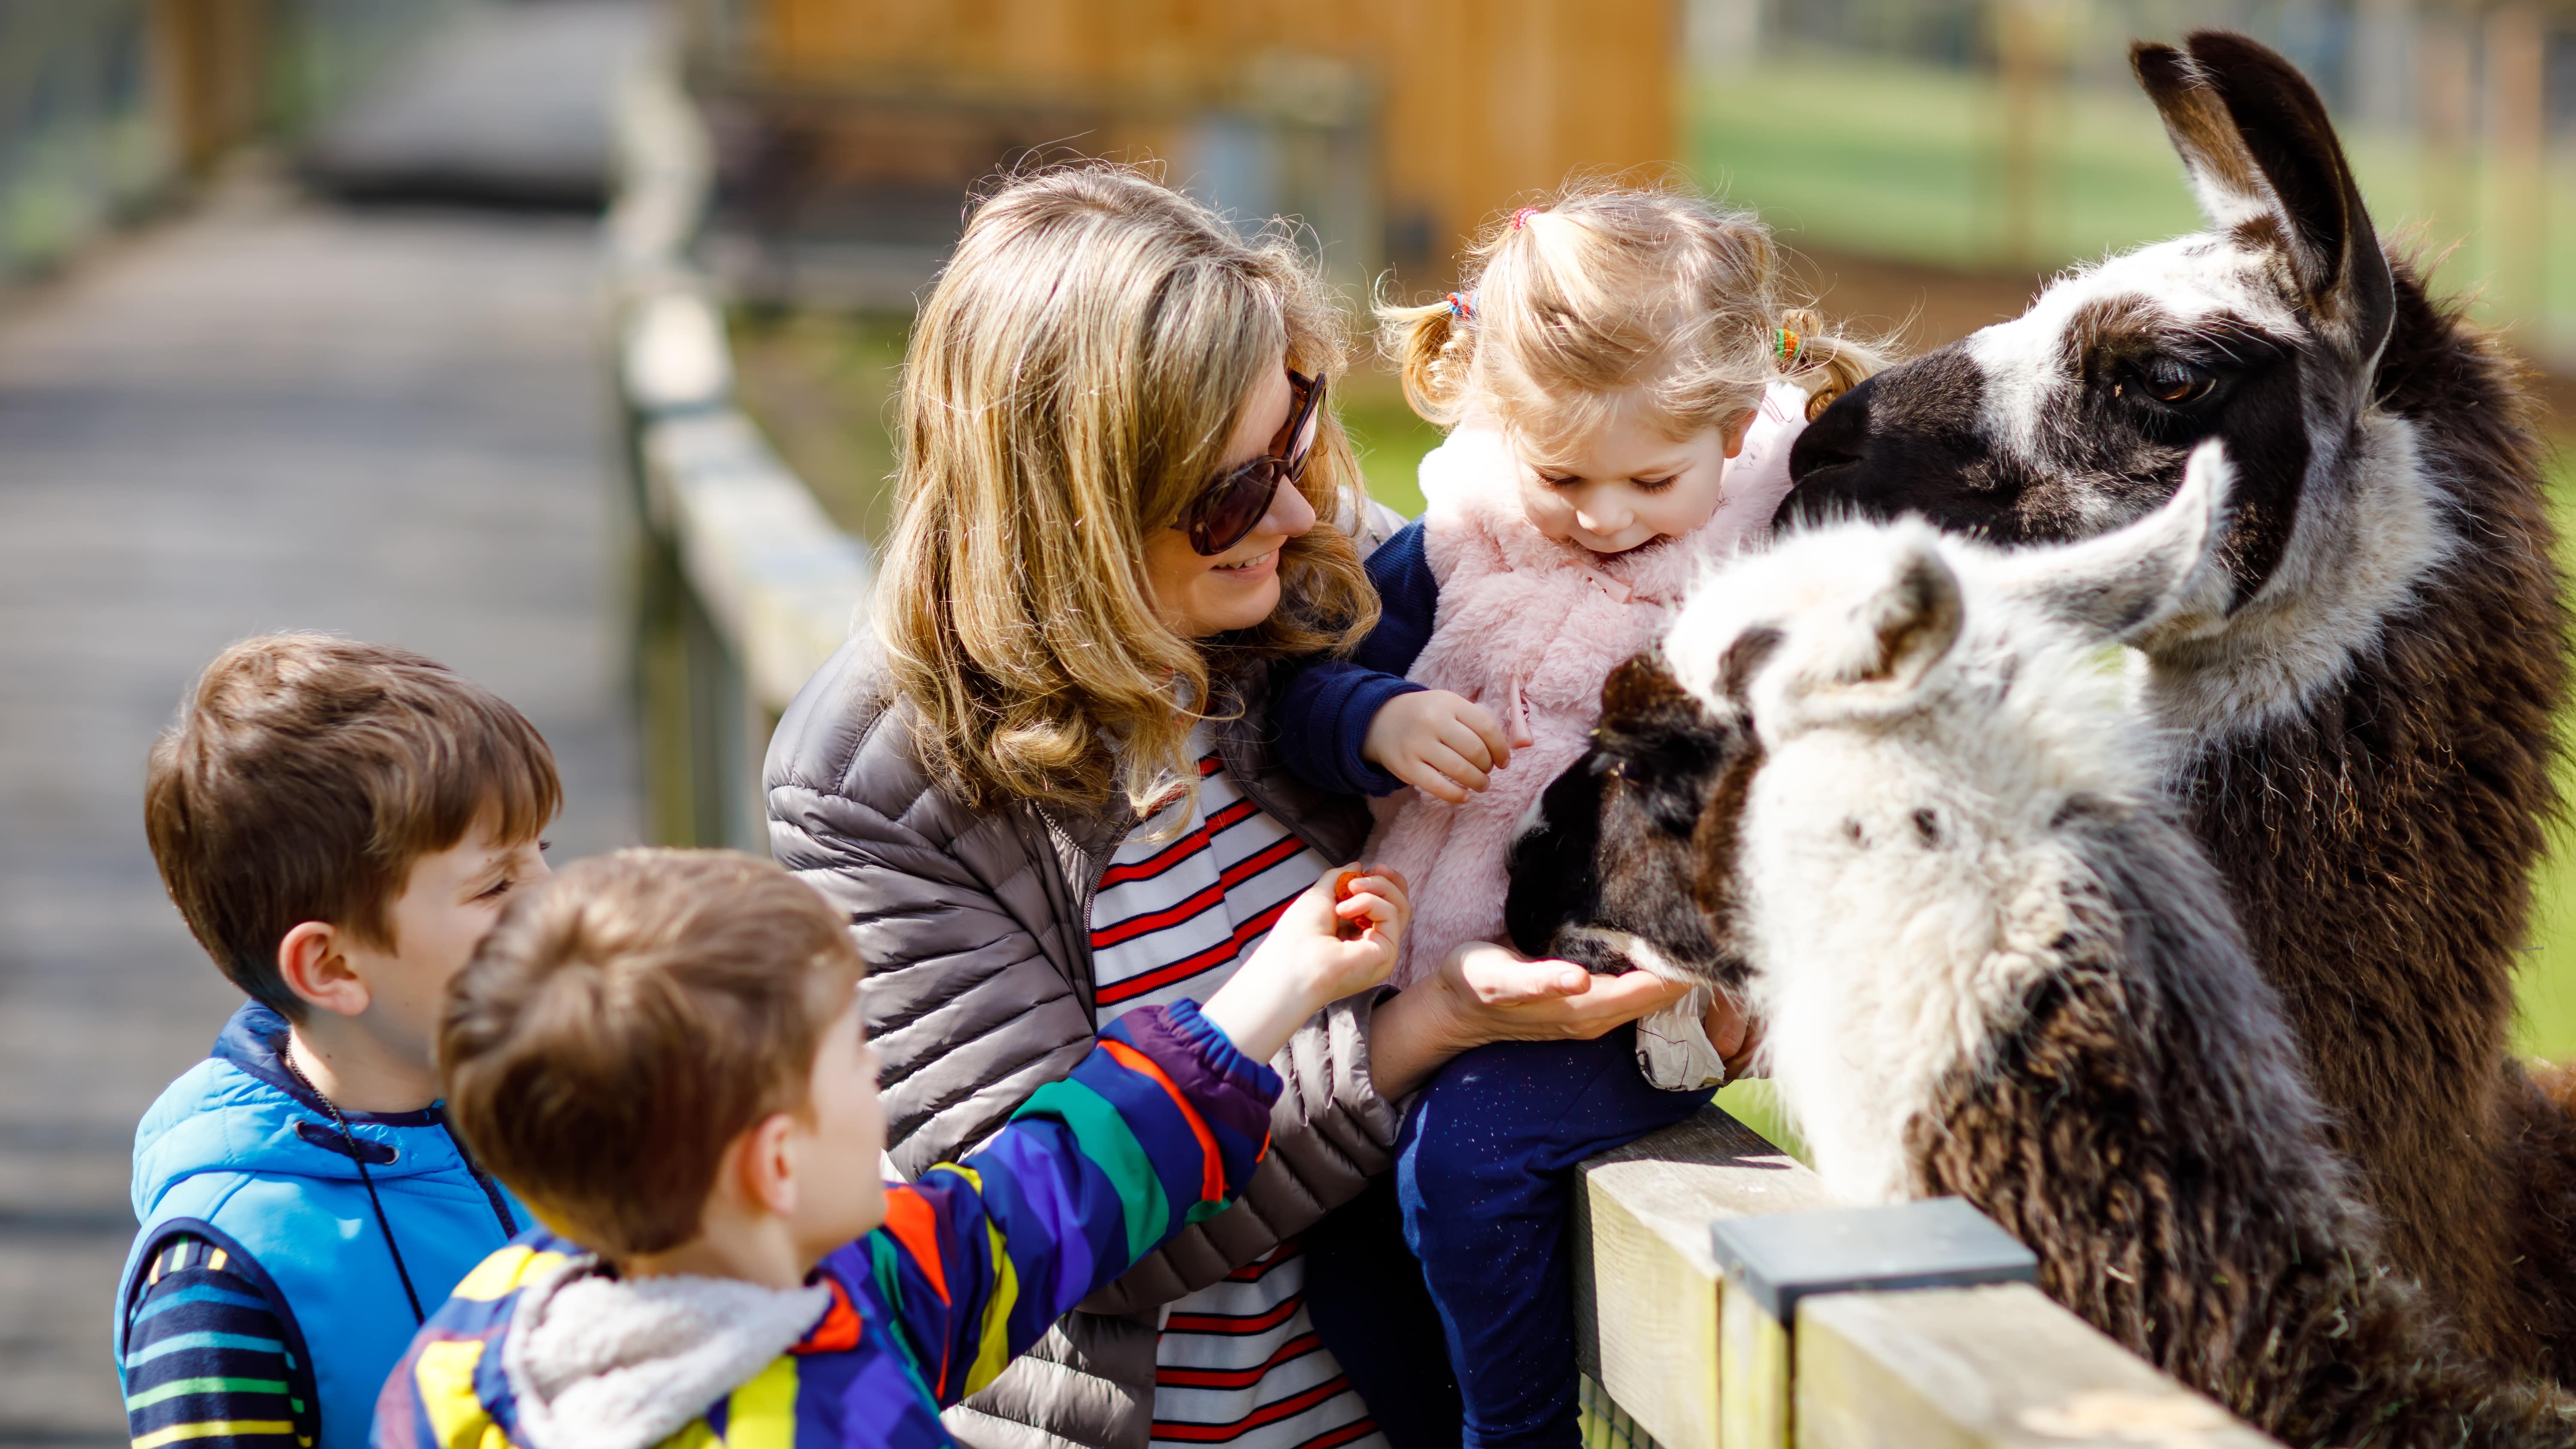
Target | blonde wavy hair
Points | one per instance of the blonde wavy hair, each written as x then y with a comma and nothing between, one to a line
1605,287
1072,383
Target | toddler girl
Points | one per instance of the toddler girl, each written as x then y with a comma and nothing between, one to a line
1622,384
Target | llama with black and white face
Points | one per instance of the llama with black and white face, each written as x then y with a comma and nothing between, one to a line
1926,836
2360,724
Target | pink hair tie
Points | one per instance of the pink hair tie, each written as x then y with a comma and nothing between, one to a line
1521,217
1462,307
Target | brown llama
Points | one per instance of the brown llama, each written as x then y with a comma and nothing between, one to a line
2361,727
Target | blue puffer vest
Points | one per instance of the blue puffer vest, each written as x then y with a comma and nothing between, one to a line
237,1150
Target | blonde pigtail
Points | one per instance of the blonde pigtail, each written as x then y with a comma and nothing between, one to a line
1823,360
1430,346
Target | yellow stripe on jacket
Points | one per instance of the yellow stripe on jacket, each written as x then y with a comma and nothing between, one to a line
762,1413
993,1338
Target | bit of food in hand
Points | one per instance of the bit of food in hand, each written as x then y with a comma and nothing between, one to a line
1343,926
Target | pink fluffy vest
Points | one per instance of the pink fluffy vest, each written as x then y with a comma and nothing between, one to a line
1530,628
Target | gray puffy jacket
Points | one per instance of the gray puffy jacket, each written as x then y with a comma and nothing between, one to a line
975,927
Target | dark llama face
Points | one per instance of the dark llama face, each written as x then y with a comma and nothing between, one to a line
2076,417
1627,860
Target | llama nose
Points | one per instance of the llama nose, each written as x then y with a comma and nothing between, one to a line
1840,436
1826,460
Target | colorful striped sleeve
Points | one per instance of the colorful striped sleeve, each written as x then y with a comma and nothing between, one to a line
1159,1127
212,1360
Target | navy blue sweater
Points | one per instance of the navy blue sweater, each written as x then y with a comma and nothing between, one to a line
1322,712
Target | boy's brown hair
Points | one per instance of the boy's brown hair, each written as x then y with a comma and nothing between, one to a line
626,1021
305,775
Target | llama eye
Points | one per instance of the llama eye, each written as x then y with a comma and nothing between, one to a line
2173,383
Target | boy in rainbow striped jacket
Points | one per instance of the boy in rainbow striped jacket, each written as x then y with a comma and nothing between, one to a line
662,1054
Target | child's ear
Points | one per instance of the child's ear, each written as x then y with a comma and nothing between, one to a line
313,964
1736,431
765,1162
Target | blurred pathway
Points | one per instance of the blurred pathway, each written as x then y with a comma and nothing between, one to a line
269,414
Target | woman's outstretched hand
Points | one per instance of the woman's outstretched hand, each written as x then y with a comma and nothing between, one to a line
1487,993
1339,936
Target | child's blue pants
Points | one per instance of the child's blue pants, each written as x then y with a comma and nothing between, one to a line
1484,1173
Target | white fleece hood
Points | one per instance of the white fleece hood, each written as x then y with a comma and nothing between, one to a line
607,1363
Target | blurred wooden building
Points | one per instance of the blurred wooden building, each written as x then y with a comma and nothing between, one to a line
1391,127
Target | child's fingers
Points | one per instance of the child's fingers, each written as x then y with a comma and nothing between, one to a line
1368,905
1421,776
1363,901
1488,729
1369,914
1456,766
1383,881
1470,746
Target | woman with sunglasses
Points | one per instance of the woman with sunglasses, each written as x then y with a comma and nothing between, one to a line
1045,796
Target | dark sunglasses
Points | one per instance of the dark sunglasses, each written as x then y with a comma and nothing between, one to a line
1228,509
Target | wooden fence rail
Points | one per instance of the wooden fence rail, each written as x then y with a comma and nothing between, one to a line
744,587
1829,1329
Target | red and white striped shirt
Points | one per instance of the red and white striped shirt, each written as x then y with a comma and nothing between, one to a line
1188,896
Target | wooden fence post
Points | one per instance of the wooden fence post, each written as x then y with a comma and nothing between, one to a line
1650,1322
1773,1262
1752,1373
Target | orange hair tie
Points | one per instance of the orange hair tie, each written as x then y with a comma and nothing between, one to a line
1785,347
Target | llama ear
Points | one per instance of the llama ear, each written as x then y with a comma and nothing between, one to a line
2167,565
1911,622
2265,164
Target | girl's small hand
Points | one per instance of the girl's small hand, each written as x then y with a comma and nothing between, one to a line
1736,1035
1443,744
1307,962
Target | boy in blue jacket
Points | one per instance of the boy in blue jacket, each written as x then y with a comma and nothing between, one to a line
340,824
663,1052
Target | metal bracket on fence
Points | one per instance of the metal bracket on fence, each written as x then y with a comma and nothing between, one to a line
1772,1262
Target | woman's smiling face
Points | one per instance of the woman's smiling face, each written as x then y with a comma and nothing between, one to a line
1197,597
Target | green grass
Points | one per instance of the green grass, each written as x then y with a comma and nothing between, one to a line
1389,439
2546,1022
1905,162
